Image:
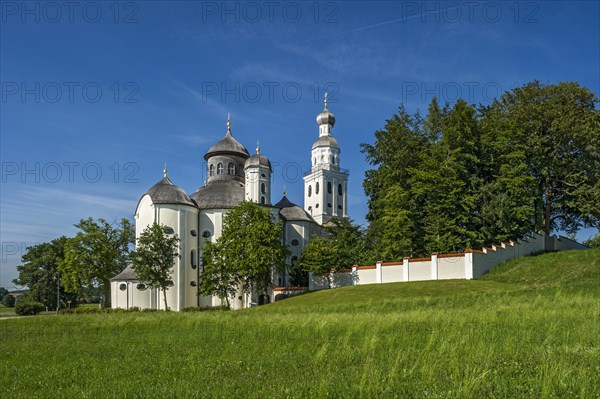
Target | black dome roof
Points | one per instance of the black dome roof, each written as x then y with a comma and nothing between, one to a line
227,146
165,192
219,194
292,212
257,160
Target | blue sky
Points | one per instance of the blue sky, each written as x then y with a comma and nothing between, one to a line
96,96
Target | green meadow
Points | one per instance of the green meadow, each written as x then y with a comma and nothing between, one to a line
529,329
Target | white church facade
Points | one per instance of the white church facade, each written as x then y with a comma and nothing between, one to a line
233,176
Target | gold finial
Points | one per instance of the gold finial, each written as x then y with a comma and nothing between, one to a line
228,123
325,100
165,172
257,147
284,190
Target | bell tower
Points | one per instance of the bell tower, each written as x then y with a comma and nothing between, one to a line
325,186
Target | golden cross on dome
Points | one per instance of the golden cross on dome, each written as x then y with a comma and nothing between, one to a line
165,172
325,100
228,122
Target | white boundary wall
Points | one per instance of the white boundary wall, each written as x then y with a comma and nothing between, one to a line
468,265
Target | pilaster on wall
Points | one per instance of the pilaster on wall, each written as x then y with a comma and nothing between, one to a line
434,266
469,264
378,272
405,261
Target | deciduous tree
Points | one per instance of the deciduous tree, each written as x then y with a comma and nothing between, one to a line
154,257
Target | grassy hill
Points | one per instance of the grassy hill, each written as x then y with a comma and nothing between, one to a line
529,329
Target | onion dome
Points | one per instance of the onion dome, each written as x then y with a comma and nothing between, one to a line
219,194
325,117
292,212
227,146
165,192
257,160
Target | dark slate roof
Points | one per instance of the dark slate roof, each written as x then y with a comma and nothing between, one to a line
325,141
257,160
227,145
165,192
292,212
219,194
127,274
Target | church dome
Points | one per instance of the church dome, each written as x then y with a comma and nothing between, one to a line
227,146
325,117
257,160
219,194
325,141
165,192
292,212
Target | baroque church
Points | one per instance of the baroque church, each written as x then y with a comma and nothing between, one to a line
233,176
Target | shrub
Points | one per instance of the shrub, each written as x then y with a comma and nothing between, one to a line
8,301
28,308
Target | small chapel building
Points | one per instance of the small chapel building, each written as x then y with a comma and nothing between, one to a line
233,176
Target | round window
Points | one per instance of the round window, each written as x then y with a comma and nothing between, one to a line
295,242
193,232
206,234
316,206
329,205
170,283
123,287
169,230
193,283
141,286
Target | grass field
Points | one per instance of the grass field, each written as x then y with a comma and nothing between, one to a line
529,329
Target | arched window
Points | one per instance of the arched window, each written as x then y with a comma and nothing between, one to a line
240,170
193,258
262,200
211,170
263,190
220,168
230,169
309,190
317,188
328,187
340,189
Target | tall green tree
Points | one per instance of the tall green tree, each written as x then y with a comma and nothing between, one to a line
40,273
154,257
560,129
98,252
248,252
463,177
218,278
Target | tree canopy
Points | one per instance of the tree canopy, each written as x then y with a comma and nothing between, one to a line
98,252
247,254
39,272
154,257
464,176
